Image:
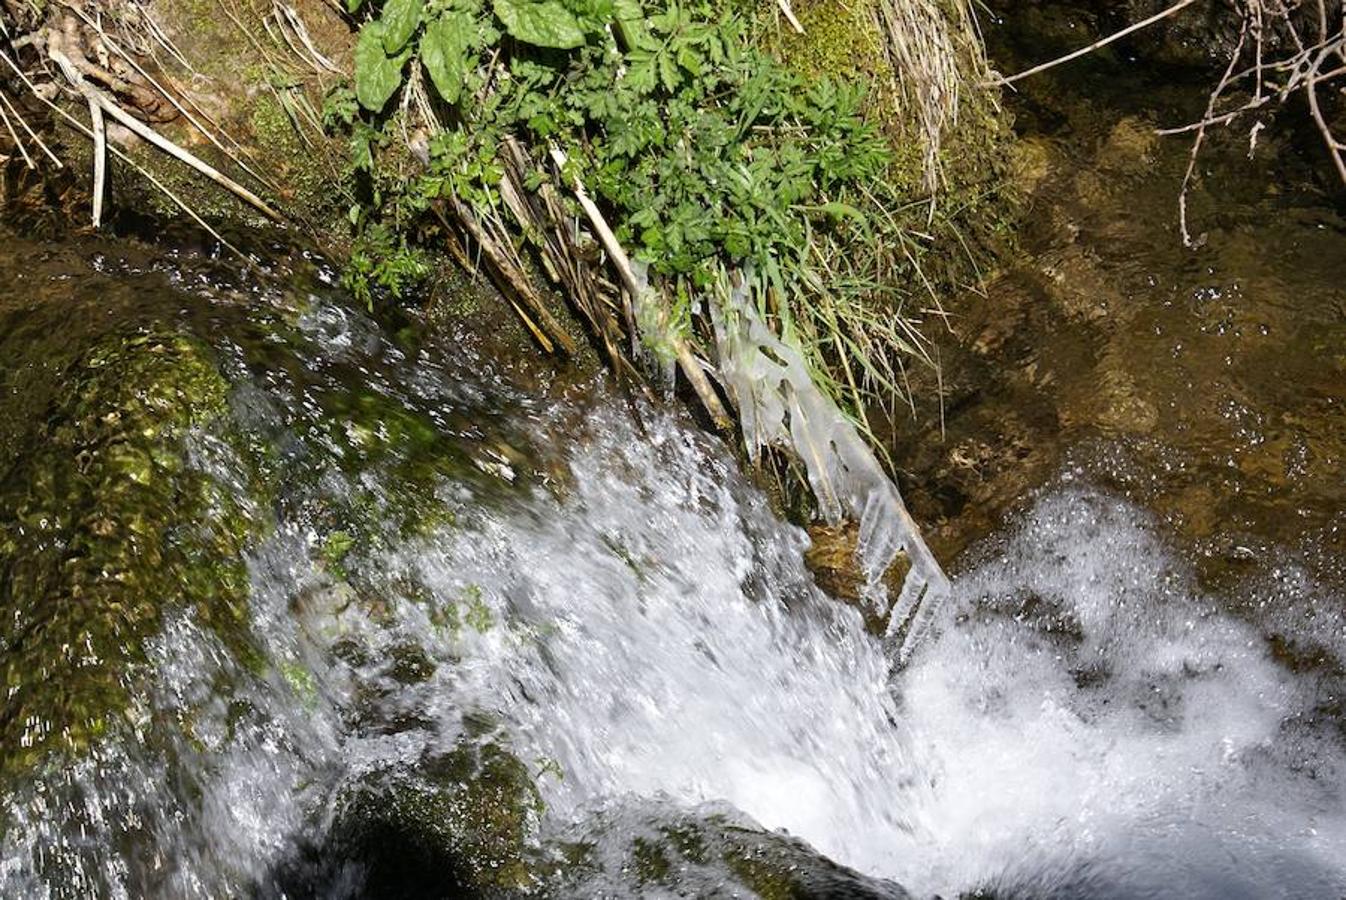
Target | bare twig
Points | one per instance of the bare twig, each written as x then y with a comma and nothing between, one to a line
88,132
1096,45
514,277
33,135
691,366
18,144
142,130
1304,67
99,160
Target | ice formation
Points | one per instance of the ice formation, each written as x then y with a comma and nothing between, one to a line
779,403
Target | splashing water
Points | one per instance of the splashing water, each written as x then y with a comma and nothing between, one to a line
1082,721
1092,726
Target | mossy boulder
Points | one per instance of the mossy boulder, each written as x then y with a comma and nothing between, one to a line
105,526
708,855
454,824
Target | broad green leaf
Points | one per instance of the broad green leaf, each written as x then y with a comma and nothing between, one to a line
543,24
667,74
445,53
400,19
354,5
377,75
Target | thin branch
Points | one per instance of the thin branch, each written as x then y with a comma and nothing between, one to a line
87,132
687,361
149,134
99,160
1096,45
13,110
513,277
17,143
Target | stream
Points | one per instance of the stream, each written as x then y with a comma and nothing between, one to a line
298,603
435,557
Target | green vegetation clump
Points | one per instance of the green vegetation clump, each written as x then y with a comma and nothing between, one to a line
706,152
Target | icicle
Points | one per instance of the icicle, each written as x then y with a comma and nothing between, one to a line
778,403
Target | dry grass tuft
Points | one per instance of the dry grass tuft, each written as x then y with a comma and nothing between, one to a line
936,57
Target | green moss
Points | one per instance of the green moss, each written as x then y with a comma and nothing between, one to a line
410,664
652,865
335,548
464,820
301,681
841,39
302,163
105,530
478,614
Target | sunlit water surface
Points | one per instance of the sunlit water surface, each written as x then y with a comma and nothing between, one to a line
615,602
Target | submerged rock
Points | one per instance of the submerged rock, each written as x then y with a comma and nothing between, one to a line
644,851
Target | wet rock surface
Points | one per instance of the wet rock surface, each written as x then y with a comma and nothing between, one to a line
223,496
1215,371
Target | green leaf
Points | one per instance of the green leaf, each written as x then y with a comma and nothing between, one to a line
667,74
689,60
838,211
377,75
354,5
445,53
400,19
542,24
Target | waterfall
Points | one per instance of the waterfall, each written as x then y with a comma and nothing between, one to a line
445,561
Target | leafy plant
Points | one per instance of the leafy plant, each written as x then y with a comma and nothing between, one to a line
382,258
705,151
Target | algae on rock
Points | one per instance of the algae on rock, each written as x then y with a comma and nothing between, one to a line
106,527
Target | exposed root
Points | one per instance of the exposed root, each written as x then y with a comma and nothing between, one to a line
88,132
110,73
104,59
148,81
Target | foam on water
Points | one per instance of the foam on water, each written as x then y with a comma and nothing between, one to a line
1084,720
1092,726
1081,720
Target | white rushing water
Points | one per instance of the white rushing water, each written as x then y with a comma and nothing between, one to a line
1081,721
